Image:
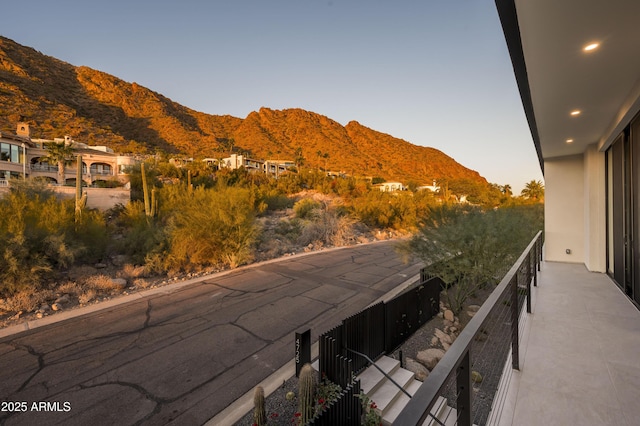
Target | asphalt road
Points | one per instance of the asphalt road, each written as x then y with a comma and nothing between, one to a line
182,356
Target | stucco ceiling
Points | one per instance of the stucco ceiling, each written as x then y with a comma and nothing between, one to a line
604,84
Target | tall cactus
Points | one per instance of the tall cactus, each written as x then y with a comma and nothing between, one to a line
150,204
259,412
81,198
306,393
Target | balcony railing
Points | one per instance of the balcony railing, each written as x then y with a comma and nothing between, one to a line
469,373
40,167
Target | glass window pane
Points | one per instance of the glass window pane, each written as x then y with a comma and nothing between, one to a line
15,154
4,152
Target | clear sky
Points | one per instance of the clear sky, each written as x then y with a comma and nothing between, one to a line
433,72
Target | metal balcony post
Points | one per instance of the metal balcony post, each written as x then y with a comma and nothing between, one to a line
515,351
463,381
529,271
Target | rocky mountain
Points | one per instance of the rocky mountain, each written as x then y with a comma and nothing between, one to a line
57,98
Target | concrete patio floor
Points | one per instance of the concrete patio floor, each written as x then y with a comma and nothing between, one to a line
580,354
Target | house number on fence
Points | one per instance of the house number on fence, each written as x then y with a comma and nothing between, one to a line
303,350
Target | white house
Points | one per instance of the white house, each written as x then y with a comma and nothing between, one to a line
577,65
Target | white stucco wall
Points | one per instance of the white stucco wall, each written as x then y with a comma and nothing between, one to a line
98,198
564,209
595,210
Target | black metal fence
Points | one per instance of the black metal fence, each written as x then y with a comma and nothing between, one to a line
375,331
481,349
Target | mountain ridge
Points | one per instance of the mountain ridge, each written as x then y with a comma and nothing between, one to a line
57,98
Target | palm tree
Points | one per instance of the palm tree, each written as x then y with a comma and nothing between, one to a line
533,190
59,153
506,190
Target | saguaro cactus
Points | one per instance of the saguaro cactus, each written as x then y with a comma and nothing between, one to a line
81,198
259,412
306,393
149,204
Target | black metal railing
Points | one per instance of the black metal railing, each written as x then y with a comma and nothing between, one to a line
482,347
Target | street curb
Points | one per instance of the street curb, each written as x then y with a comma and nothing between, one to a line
238,409
164,289
241,406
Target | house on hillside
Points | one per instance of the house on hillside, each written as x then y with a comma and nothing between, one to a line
22,156
390,186
433,187
271,167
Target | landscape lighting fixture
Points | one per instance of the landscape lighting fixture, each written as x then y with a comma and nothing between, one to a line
591,46
576,112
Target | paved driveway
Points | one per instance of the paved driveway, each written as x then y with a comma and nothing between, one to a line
182,356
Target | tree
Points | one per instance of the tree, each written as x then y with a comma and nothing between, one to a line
533,190
469,248
507,191
59,153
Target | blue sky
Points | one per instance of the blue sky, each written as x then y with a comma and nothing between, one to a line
433,72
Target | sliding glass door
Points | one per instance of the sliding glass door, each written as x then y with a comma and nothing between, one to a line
623,210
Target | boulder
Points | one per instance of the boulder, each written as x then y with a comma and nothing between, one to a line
56,307
448,315
430,357
62,299
416,368
472,309
443,337
120,283
119,259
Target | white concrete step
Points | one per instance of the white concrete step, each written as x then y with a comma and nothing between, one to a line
371,379
400,402
385,395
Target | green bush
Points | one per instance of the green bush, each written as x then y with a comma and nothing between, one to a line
38,233
469,248
212,227
305,208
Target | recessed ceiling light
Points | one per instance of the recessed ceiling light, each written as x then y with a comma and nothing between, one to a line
591,46
569,140
575,112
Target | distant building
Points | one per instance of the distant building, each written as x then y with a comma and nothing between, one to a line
390,186
272,167
21,156
432,188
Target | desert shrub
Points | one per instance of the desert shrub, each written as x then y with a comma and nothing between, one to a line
275,200
469,247
87,296
325,227
305,208
289,229
213,227
27,300
131,272
142,237
34,238
375,209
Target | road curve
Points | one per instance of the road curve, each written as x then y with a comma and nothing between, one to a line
182,356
